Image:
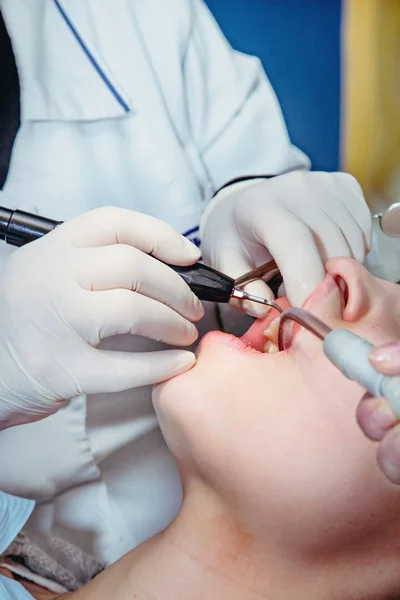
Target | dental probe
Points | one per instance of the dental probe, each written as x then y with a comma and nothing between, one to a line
17,228
348,352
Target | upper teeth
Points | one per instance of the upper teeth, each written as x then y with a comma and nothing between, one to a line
271,335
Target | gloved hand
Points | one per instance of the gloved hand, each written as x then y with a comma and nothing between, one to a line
300,219
376,418
91,278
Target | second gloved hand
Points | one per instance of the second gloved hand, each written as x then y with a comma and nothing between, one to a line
89,279
300,219
377,419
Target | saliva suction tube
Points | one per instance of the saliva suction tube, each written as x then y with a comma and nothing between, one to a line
347,351
303,318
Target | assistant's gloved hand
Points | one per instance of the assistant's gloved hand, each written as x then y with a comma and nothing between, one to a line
91,278
300,219
376,418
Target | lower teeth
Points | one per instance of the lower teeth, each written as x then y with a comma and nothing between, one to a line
271,333
270,348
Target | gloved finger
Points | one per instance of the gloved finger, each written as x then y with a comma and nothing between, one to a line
122,266
258,288
351,194
234,263
111,371
386,358
296,253
375,417
106,226
335,207
117,312
389,454
328,236
282,290
310,237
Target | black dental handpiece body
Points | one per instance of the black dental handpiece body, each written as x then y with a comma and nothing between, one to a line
19,228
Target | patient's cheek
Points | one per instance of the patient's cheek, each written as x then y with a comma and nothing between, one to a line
327,301
168,403
188,411
195,410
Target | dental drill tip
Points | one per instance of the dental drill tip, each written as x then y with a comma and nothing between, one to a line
242,295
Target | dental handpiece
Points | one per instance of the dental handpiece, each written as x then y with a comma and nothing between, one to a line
348,352
212,285
19,228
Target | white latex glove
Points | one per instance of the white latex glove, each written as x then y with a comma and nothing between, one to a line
300,219
91,278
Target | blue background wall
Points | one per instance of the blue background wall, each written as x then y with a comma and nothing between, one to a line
298,42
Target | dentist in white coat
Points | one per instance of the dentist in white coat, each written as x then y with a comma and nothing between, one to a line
140,104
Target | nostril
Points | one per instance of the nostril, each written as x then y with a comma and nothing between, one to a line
342,285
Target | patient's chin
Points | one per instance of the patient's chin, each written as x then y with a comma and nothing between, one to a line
174,402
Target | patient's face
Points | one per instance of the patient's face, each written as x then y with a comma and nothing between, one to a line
276,435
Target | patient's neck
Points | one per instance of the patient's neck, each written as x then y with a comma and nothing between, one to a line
208,553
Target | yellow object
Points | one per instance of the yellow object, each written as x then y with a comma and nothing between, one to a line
370,147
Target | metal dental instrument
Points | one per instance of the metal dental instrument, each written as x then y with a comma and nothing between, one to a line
18,228
389,220
269,272
347,351
242,295
214,286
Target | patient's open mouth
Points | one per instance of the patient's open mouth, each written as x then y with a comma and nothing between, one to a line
263,334
271,337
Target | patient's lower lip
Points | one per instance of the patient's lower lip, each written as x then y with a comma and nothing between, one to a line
254,337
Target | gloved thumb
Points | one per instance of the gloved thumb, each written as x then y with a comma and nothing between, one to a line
386,358
119,371
375,417
378,422
257,288
389,455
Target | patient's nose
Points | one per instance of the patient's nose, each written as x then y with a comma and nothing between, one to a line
355,284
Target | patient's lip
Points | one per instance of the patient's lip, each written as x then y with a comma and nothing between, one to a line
253,341
318,302
254,337
324,302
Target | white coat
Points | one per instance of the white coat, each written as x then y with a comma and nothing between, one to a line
140,104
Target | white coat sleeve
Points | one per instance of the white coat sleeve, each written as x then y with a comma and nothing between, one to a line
235,118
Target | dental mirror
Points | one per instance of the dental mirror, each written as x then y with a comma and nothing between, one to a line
389,220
